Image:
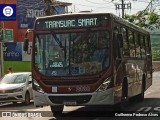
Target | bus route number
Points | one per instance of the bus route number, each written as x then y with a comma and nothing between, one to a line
56,64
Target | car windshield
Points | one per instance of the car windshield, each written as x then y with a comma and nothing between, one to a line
75,53
13,79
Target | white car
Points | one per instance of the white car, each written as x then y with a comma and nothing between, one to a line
16,87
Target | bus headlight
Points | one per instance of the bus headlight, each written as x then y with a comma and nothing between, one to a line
104,85
37,87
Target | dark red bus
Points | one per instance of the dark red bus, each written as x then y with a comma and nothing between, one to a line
89,59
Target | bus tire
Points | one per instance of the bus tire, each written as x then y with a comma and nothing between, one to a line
140,97
124,97
57,109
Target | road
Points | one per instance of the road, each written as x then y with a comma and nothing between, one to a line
150,104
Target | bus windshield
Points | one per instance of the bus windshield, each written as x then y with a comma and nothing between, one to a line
74,53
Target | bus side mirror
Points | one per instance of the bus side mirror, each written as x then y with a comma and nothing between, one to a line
25,45
120,39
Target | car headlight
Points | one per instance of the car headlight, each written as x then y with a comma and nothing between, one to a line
104,85
37,87
18,89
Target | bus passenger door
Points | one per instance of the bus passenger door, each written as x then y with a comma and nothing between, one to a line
118,67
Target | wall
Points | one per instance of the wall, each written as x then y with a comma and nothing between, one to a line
18,34
155,43
156,65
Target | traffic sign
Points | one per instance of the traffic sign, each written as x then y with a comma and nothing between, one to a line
7,35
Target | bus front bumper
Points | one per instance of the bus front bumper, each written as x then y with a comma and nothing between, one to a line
95,98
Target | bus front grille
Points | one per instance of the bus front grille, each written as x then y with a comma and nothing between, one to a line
69,82
79,99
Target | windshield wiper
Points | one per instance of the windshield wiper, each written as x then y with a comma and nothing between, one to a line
57,40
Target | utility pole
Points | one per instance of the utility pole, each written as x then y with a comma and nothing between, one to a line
123,6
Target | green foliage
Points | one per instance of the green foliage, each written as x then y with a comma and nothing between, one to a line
146,19
153,17
156,54
18,66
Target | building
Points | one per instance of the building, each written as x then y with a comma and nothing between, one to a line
11,49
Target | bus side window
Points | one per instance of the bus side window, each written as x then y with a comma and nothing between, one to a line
143,48
117,49
147,45
137,44
125,49
116,46
131,44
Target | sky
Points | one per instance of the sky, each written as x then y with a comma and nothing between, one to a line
106,6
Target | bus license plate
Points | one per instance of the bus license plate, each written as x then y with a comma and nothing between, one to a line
70,103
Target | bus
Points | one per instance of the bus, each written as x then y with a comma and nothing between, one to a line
85,59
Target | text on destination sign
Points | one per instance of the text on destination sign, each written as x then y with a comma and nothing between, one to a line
71,23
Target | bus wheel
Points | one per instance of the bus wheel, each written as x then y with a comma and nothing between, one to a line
140,97
57,109
124,97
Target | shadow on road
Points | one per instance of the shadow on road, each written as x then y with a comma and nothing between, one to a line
16,106
90,112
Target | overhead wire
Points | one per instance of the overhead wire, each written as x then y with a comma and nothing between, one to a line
94,2
90,5
106,1
111,1
147,7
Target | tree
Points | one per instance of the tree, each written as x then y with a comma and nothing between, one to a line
145,19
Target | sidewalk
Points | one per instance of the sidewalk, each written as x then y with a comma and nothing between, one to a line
156,74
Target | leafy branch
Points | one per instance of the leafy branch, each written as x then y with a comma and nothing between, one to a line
147,19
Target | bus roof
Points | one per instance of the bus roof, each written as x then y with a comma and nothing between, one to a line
113,16
73,14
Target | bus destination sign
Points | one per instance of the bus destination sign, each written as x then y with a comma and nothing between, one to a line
70,23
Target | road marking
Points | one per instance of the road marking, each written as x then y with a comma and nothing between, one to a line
144,109
147,93
2,104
